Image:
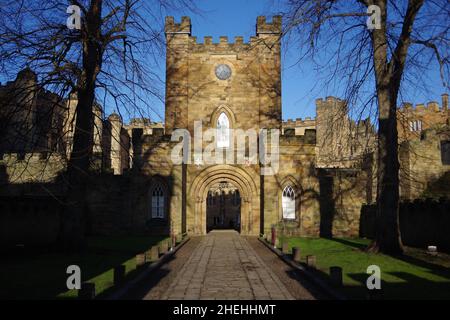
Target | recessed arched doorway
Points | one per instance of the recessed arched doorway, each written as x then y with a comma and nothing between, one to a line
223,207
209,178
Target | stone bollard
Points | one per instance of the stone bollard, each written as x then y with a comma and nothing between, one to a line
87,291
277,243
274,237
296,254
173,242
154,254
163,247
285,247
336,276
119,274
148,255
311,261
432,250
140,260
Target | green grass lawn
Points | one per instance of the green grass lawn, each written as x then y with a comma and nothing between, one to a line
38,275
416,275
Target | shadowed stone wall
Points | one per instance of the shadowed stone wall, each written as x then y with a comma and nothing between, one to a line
423,222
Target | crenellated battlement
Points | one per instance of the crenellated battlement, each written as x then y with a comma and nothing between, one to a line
184,27
173,29
414,119
35,157
329,102
32,167
264,27
431,106
299,122
222,45
223,41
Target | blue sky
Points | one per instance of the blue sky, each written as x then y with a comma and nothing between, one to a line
238,18
301,83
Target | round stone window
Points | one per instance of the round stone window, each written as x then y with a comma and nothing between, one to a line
223,72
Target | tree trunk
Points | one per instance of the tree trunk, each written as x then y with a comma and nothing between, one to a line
388,239
79,163
388,76
77,172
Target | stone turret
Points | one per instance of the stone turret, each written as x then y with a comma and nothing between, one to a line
69,122
341,142
184,27
177,47
98,128
264,27
412,120
22,109
116,147
445,101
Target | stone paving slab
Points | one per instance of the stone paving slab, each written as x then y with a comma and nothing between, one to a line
225,266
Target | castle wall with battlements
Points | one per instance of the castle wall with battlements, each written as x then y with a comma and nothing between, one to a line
298,126
329,161
423,162
413,119
341,142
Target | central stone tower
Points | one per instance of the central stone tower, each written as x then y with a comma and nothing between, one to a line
206,79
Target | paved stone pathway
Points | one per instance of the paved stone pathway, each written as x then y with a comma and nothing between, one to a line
225,266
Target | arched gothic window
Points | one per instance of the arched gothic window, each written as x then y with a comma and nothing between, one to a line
158,202
288,203
223,131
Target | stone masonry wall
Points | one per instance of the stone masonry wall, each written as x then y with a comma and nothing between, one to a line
421,162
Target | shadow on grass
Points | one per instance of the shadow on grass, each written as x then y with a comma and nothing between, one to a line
149,282
432,267
312,289
412,287
350,243
408,257
41,274
129,277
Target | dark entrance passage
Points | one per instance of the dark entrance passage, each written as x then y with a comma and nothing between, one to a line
223,207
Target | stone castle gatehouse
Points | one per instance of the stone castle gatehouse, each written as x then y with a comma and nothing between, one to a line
236,85
326,165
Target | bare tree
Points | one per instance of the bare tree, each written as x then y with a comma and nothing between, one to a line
109,58
372,67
